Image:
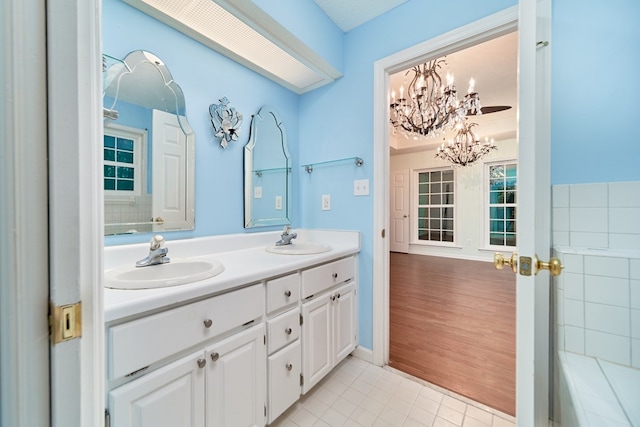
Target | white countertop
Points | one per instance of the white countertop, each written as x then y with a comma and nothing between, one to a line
244,258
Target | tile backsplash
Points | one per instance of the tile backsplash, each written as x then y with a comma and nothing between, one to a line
596,235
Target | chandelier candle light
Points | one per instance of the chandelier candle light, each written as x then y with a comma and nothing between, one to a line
432,108
465,148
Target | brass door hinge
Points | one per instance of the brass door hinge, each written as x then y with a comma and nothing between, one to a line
65,322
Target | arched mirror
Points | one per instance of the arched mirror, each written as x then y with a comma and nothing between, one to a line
267,171
149,148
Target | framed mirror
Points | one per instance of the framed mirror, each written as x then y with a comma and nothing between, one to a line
267,171
149,148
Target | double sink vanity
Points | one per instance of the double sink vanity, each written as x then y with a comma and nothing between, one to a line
230,332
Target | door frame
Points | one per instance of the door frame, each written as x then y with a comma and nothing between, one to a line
532,18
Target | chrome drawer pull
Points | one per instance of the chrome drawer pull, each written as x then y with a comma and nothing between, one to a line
288,331
201,363
334,275
208,323
215,356
287,294
289,366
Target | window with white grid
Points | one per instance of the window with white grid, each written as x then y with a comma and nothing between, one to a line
436,189
502,189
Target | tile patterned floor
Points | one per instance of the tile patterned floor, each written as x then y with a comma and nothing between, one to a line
358,394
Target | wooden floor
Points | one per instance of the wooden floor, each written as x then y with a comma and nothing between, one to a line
452,323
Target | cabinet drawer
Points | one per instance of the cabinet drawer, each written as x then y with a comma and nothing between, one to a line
284,379
325,276
282,292
283,330
142,342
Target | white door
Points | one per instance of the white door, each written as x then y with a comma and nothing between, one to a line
236,380
168,175
76,226
171,396
534,185
316,341
399,220
534,204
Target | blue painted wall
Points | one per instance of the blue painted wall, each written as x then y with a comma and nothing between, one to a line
595,89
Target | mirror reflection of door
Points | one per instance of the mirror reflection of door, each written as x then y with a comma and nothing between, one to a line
168,175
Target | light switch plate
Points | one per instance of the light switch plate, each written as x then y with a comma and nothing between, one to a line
257,192
278,203
361,187
326,202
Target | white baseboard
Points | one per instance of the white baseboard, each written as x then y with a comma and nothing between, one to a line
363,353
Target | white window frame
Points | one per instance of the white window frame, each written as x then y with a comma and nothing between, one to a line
415,191
139,138
486,205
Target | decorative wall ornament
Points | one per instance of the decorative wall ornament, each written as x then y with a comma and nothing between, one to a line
226,121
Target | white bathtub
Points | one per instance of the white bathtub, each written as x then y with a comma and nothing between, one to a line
595,393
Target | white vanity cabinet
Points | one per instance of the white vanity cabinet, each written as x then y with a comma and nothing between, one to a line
220,382
173,395
236,380
283,343
237,350
328,318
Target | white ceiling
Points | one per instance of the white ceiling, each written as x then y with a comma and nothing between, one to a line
348,14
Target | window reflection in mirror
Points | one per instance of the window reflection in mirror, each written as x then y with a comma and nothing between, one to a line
148,148
267,171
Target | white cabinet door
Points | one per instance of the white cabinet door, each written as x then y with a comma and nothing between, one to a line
171,396
284,379
236,380
316,340
344,321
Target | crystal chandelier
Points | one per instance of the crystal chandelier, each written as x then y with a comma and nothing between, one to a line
431,107
465,147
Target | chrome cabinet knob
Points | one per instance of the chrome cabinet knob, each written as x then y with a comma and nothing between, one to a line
208,323
215,356
288,331
202,363
289,366
334,275
287,294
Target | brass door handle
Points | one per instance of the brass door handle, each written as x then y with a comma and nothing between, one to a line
158,220
499,262
554,266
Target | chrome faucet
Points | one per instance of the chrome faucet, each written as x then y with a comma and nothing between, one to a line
157,253
286,237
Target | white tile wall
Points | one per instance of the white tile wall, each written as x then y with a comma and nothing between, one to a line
598,297
598,215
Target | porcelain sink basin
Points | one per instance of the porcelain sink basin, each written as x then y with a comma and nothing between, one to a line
174,273
295,248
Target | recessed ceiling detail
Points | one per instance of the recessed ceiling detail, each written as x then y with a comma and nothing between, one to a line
245,33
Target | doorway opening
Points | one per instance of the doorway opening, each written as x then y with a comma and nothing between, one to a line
452,316
494,27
